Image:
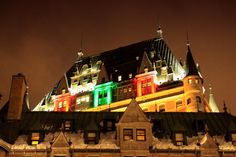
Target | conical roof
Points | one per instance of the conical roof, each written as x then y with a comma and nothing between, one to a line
191,68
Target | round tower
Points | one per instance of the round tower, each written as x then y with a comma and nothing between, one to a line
193,86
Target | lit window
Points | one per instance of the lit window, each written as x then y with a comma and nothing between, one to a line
119,78
179,138
140,135
145,70
130,75
233,139
128,134
78,101
190,81
87,98
67,125
63,91
125,90
188,101
162,108
196,81
60,105
35,138
178,103
64,103
91,138
149,84
130,89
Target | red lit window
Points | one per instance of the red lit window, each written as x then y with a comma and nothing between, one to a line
146,86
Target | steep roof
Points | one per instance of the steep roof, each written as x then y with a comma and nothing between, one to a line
191,68
133,113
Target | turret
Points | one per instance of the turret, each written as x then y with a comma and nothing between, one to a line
212,102
193,88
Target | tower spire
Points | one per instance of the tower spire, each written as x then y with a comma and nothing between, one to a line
159,33
191,67
212,102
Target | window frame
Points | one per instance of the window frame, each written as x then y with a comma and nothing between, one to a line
128,134
141,135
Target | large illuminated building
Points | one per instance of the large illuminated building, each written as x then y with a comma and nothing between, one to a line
163,110
147,70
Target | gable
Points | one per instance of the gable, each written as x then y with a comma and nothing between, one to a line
145,63
133,113
60,141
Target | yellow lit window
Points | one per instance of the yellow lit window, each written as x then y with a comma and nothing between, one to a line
119,78
87,98
78,101
190,81
60,105
196,81
67,125
149,84
179,139
145,70
35,142
128,134
130,89
130,75
35,138
141,135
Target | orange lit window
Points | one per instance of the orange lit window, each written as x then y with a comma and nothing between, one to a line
196,81
190,81
128,134
35,138
67,125
140,135
125,90
178,103
91,138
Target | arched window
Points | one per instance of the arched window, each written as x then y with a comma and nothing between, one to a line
198,99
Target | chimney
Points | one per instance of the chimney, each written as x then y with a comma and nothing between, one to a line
16,99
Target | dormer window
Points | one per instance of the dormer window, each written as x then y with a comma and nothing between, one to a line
128,134
179,139
35,136
233,135
141,135
91,137
67,125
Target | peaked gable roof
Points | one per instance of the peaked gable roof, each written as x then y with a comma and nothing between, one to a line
60,141
133,113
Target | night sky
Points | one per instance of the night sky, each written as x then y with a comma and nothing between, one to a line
41,38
